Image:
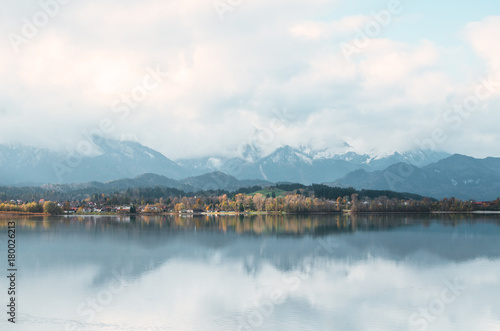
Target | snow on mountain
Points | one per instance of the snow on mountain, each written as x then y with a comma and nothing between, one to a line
305,164
113,159
286,155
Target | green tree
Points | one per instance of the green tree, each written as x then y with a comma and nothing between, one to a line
51,208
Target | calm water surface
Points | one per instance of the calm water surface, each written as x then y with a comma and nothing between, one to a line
379,272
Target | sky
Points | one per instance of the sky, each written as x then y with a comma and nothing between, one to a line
195,78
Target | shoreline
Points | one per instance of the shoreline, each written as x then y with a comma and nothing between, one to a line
22,213
474,212
480,212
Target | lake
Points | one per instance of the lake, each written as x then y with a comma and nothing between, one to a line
325,272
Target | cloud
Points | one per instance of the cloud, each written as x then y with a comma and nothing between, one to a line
319,29
483,36
224,79
227,294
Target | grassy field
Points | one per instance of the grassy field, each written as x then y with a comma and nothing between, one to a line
269,191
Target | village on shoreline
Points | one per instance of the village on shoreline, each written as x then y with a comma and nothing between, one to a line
321,200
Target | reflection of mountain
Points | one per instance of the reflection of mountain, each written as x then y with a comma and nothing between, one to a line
137,246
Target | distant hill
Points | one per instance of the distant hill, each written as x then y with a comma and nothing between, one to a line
210,181
219,180
457,176
145,180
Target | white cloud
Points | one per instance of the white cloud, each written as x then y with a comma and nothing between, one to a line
483,37
319,29
359,294
224,77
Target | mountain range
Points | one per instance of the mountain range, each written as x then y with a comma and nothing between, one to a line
302,165
24,165
113,159
458,176
124,164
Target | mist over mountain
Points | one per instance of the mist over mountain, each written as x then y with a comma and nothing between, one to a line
124,164
24,165
114,160
307,166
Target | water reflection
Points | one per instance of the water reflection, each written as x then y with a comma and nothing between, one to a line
258,224
322,272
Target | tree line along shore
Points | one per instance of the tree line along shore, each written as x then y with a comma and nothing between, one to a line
284,198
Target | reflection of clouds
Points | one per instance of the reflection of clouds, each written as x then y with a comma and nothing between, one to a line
366,280
137,249
372,294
